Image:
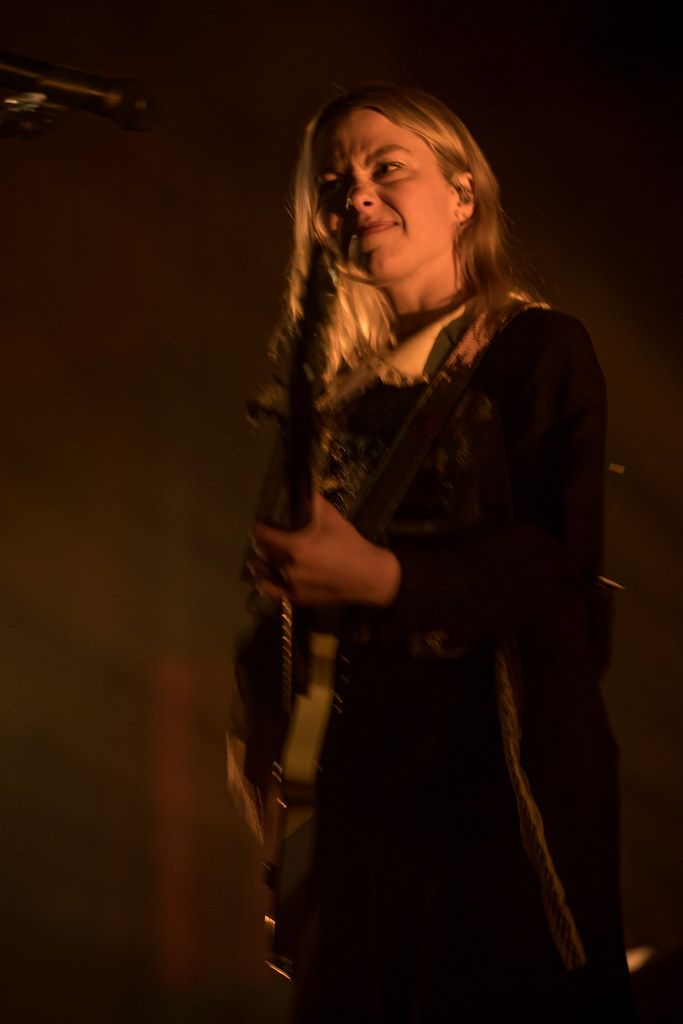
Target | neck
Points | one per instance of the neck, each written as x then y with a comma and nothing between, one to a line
410,321
419,300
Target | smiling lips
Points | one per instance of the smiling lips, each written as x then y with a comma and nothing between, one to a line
365,231
369,229
373,226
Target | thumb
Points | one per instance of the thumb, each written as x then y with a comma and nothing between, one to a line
270,540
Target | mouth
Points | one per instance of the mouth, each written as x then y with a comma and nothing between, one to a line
363,235
373,228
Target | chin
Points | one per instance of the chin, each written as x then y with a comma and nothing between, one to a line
381,270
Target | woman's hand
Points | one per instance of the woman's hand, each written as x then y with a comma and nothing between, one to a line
326,563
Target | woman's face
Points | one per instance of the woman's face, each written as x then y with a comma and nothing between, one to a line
385,206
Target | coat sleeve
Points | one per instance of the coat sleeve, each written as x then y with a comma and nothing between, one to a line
544,379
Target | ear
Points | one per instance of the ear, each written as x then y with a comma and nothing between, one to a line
463,188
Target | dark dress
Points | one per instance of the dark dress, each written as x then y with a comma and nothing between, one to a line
427,907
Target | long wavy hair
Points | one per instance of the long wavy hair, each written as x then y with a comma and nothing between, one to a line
359,321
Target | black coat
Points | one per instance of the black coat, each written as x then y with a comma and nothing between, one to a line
425,898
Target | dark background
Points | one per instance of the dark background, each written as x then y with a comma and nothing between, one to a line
141,275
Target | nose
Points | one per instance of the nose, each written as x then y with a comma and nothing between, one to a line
360,194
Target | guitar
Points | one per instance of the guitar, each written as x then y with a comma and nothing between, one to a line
289,829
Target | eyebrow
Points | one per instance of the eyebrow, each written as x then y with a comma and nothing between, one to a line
383,150
375,155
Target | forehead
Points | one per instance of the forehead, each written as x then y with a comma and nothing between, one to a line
358,134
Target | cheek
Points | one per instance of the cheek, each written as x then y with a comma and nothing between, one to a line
426,212
439,223
441,210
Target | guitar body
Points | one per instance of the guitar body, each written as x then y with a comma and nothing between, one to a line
291,814
287,874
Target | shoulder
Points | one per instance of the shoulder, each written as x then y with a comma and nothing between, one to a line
540,343
542,329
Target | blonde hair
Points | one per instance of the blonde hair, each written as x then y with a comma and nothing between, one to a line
359,318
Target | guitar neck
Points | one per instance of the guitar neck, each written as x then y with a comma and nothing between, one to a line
302,439
305,373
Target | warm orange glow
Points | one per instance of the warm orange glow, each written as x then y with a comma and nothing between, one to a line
638,957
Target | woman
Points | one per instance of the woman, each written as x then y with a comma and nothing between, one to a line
467,851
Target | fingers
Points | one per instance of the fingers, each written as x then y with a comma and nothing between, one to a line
306,566
278,547
268,559
261,568
266,571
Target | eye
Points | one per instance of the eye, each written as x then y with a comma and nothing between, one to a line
386,168
328,185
